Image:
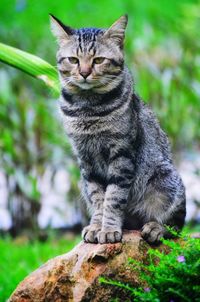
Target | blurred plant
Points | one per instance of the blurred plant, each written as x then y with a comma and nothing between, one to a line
172,276
29,134
167,72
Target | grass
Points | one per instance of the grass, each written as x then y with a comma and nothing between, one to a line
20,257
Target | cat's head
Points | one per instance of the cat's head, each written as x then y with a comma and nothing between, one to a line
90,58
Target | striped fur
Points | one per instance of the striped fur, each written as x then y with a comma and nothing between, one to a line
128,178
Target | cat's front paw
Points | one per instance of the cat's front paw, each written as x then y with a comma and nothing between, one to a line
109,236
152,232
90,232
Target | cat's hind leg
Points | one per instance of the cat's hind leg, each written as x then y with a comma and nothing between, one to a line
164,206
152,232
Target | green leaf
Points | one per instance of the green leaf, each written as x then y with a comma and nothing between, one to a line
30,64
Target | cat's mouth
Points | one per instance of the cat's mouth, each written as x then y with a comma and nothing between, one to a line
85,85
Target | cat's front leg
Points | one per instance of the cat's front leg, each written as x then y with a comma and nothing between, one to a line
94,195
120,178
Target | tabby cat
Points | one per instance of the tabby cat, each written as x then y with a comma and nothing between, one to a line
128,178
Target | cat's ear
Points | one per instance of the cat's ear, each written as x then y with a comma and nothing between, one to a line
116,31
59,30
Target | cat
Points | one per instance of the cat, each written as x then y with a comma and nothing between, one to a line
128,177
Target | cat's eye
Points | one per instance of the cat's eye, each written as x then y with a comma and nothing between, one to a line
65,72
98,60
73,60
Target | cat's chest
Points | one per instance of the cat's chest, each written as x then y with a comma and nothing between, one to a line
91,147
92,152
76,126
91,137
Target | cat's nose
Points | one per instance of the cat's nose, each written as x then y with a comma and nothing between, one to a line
85,73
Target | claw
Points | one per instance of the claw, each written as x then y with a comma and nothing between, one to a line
109,236
152,232
90,232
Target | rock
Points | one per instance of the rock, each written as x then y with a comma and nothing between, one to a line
74,276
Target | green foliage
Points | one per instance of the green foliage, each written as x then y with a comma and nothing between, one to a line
19,258
172,276
30,64
31,140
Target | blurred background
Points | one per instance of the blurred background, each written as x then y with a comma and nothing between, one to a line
41,213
